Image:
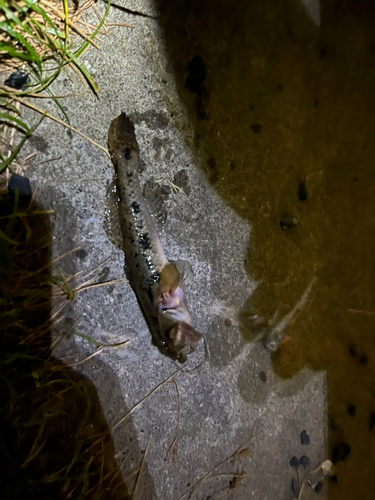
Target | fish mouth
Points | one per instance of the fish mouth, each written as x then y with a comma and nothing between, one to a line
182,340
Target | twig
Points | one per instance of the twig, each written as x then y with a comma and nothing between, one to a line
46,161
95,285
65,254
35,108
174,186
242,451
73,180
144,399
206,360
141,467
61,15
361,312
173,447
98,351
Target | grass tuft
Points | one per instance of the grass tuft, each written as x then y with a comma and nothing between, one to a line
39,39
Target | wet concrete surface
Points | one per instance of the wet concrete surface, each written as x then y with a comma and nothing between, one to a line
270,117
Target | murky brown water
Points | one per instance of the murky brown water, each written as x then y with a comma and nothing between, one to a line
285,119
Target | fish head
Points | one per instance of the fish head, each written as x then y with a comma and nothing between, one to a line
182,340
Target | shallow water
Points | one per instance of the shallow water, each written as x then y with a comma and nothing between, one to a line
284,121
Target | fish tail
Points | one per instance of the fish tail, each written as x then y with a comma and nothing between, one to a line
121,136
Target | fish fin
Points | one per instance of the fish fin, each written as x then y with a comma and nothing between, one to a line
112,225
182,340
169,279
186,272
153,195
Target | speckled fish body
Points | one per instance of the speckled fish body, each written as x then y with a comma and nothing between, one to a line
166,313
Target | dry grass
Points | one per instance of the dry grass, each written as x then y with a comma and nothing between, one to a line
51,417
42,38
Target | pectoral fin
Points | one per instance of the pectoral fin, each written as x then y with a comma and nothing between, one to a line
186,272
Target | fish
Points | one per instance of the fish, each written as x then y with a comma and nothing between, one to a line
158,283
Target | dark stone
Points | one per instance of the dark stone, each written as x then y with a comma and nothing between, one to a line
353,350
256,128
17,80
197,68
227,322
127,154
213,174
372,421
334,479
288,222
305,438
340,452
295,486
232,165
351,410
318,488
363,359
197,75
22,184
302,192
69,132
294,462
304,461
263,376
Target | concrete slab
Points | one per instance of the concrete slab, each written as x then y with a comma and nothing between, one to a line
235,395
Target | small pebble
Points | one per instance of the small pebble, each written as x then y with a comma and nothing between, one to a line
263,376
295,486
363,359
256,128
305,438
372,421
319,487
17,80
288,222
304,461
294,462
351,410
302,192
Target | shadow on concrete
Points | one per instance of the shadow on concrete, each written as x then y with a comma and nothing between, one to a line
283,117
55,442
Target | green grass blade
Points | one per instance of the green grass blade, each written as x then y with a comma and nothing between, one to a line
16,150
98,28
84,72
5,104
17,36
7,117
35,7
